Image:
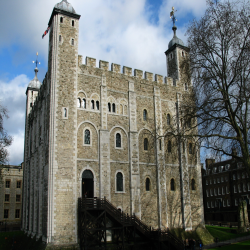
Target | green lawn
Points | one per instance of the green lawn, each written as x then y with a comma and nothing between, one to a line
245,245
224,233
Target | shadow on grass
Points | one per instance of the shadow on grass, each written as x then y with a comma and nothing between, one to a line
245,245
18,240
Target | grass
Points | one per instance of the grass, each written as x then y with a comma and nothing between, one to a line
245,245
18,240
224,233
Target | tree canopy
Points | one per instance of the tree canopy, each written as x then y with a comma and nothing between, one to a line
5,139
219,66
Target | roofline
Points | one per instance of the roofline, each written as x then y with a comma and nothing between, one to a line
66,13
176,45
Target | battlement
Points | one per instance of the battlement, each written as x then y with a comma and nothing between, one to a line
91,62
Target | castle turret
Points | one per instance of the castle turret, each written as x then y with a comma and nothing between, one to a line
175,53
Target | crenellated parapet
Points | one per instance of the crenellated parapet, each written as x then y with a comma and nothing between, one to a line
127,71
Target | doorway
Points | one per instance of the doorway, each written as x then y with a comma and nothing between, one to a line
87,184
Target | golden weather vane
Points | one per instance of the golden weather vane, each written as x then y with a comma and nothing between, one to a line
172,16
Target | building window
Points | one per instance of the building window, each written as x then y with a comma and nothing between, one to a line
168,119
61,19
18,198
97,105
222,178
65,112
119,182
189,122
145,143
186,86
190,148
214,181
109,107
212,204
215,191
84,103
17,214
6,213
7,198
239,164
227,167
18,184
31,104
219,193
244,187
147,184
169,146
60,38
206,182
207,191
87,137
93,104
248,186
227,190
226,178
208,205
238,176
223,190
239,188
145,115
228,203
218,180
118,140
193,184
73,23
236,202
211,192
78,103
7,184
113,107
172,185
224,203
234,177
72,42
160,144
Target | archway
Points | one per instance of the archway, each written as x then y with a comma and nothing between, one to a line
87,184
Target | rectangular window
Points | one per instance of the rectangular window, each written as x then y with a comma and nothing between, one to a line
208,206
7,198
235,189
236,202
18,184
206,182
207,191
223,190
219,193
18,198
228,203
222,178
17,214
218,180
6,213
7,184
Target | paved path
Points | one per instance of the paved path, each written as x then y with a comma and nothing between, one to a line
226,242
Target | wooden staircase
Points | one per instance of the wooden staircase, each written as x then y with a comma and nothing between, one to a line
128,232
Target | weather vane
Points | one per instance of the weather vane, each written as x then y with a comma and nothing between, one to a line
36,61
173,16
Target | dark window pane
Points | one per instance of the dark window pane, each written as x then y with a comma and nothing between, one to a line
93,104
147,184
190,148
84,103
6,213
87,137
168,119
113,107
118,140
119,182
7,184
145,144
145,115
193,184
109,107
97,105
87,174
172,184
169,146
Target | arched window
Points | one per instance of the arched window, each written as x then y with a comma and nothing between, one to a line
109,107
145,115
73,23
113,107
172,185
145,143
87,137
147,184
84,103
93,104
119,182
78,103
72,42
168,119
118,140
190,148
169,146
97,105
61,19
193,184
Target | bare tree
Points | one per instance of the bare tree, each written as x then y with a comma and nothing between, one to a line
5,139
219,66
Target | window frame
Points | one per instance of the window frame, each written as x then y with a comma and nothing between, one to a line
19,198
148,184
17,211
9,181
145,144
90,139
145,115
123,182
8,199
116,147
172,184
4,214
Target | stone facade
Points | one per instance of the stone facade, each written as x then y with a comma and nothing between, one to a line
11,181
103,133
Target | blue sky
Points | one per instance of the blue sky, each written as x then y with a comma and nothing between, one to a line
127,32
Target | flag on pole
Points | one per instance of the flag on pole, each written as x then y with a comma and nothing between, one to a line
45,32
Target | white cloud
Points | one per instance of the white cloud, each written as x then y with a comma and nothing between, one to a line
13,98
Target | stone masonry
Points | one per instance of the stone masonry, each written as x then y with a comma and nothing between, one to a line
112,124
